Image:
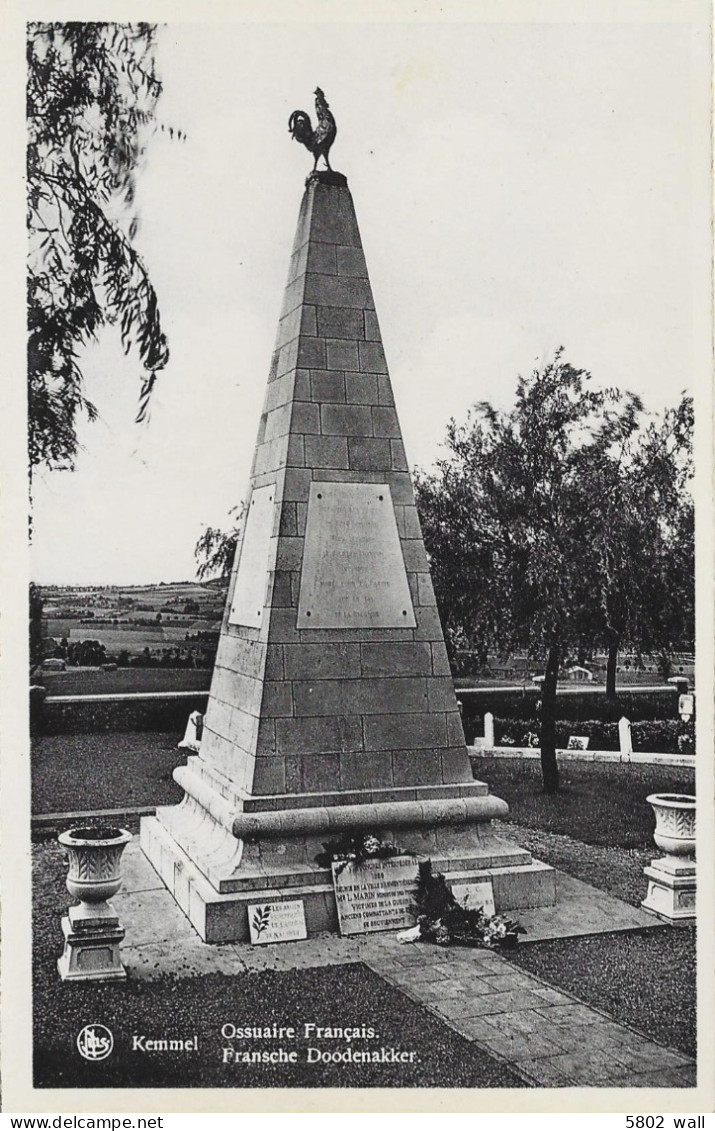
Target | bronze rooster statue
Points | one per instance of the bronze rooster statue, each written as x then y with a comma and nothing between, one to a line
320,139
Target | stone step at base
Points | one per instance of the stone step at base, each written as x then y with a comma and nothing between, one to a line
516,887
292,861
233,865
219,917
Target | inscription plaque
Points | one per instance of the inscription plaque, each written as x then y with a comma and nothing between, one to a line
277,922
477,893
353,571
250,592
376,896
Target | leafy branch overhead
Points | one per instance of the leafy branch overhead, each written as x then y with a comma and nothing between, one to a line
216,548
91,95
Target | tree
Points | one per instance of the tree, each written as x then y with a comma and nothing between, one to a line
37,636
509,526
643,543
91,95
215,550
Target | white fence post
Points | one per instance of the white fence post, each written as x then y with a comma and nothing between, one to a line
192,737
625,740
489,730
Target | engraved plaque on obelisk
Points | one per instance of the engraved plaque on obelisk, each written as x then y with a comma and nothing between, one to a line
353,572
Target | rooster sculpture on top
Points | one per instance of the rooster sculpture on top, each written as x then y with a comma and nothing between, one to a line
320,139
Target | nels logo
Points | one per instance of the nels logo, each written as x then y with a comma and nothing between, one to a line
95,1042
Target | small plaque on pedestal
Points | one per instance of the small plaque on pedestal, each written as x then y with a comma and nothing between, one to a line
479,893
283,921
377,895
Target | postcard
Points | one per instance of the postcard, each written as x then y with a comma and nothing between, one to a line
363,374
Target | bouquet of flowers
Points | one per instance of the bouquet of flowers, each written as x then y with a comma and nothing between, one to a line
356,848
442,920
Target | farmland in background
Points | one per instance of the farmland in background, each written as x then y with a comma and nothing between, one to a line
161,637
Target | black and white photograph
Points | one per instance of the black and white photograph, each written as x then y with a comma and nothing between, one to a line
364,417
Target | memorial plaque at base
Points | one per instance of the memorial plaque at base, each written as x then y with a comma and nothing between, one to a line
477,893
377,895
283,921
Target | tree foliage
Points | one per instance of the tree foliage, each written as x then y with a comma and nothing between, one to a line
215,550
551,527
643,564
37,637
91,96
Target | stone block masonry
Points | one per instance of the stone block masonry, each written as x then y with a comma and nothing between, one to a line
328,413
331,705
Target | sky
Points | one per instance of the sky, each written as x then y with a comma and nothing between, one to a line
518,186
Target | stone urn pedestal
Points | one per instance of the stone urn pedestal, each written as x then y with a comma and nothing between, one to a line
671,878
91,929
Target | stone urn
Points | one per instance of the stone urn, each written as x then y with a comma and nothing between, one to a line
674,822
94,859
91,929
672,880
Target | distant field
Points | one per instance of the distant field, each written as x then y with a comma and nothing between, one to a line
135,638
89,681
114,639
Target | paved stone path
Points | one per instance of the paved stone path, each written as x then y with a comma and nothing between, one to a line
549,1037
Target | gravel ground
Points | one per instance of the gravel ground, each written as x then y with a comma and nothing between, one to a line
80,772
350,996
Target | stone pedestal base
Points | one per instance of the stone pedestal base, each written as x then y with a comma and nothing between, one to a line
92,940
216,861
671,889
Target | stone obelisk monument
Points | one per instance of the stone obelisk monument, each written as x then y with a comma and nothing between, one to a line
332,707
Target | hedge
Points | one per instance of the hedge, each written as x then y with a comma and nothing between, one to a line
133,713
577,706
651,737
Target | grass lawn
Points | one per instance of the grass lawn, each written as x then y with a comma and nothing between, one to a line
598,803
618,871
350,996
645,980
81,772
599,828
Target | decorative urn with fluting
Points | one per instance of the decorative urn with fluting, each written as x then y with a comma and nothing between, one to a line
91,929
672,878
94,863
674,822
